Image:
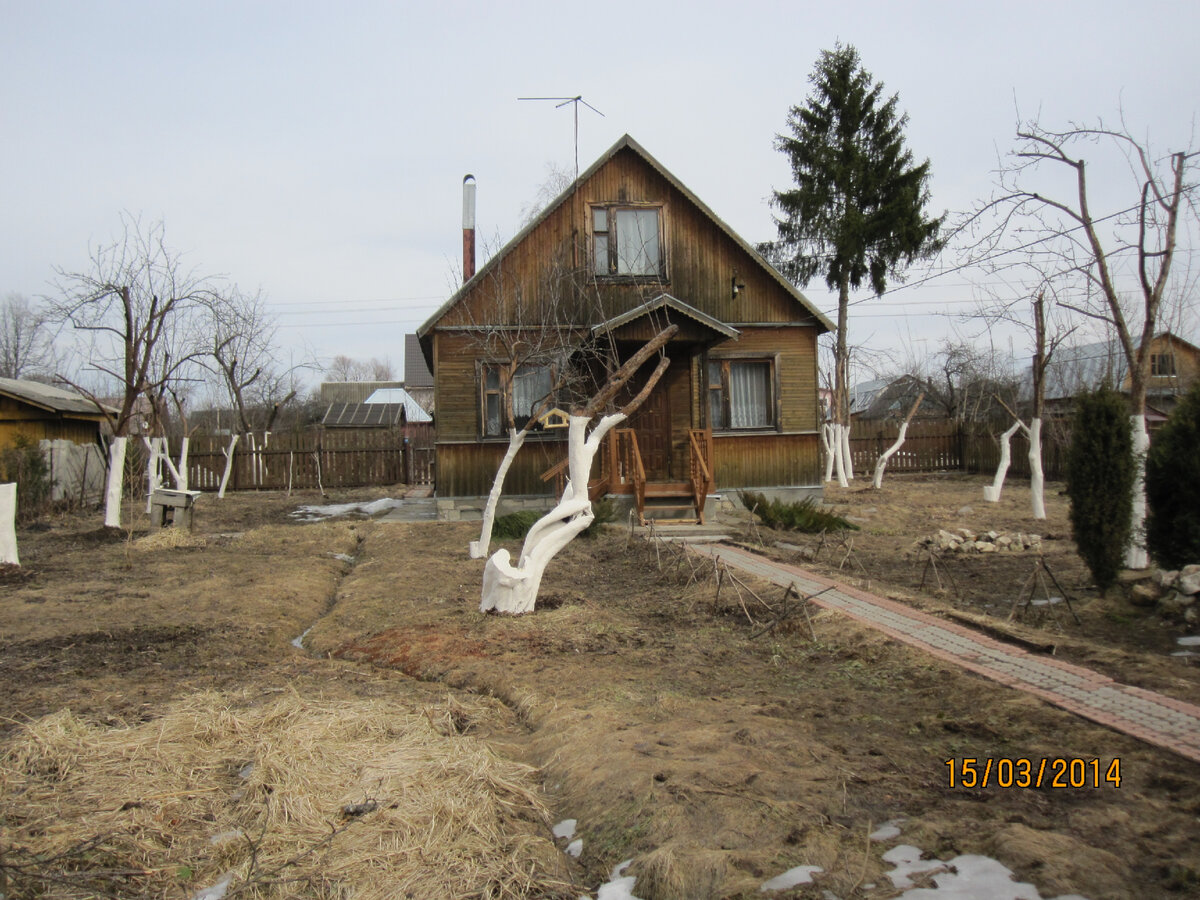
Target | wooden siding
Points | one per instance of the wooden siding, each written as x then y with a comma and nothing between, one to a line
766,460
21,419
467,470
796,350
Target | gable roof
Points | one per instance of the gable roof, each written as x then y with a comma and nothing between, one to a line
363,415
626,142
416,371
50,398
413,411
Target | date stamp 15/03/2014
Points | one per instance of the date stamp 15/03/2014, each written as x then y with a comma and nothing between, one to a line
1061,772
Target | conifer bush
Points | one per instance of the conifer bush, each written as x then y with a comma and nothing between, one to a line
1173,487
800,515
1100,475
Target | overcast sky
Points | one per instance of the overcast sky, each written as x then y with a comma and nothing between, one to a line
317,152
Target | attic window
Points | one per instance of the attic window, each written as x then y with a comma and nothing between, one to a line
1162,363
627,241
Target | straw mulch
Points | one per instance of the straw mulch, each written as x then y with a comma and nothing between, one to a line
291,798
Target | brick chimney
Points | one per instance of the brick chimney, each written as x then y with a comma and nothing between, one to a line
468,227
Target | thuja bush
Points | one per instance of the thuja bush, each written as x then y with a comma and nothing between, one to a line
25,464
1173,486
800,515
1100,475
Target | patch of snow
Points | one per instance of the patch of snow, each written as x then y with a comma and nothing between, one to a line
1188,640
344,557
791,878
575,848
619,886
565,829
965,877
298,642
317,513
225,837
216,891
907,860
888,830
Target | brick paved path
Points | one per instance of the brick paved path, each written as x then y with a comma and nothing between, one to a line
1143,714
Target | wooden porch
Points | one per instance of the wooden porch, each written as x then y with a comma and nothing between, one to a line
662,502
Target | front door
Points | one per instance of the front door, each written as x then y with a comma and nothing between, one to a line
652,424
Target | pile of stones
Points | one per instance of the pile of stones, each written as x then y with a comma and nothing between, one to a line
1176,594
964,540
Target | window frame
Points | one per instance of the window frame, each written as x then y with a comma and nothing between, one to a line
1162,365
483,392
722,390
611,235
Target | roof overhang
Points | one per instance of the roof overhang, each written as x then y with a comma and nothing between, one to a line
672,304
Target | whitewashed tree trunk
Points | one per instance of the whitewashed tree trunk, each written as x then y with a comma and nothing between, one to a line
881,463
478,549
181,474
233,439
8,524
839,455
116,482
153,469
1136,556
828,442
991,493
847,457
513,589
1037,480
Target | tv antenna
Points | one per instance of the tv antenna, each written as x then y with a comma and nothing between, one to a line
560,102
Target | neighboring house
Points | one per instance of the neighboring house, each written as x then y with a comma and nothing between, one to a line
353,391
1174,367
893,398
624,251
66,425
418,380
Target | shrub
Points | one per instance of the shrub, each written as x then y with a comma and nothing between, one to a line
25,464
514,526
1173,486
799,515
604,512
1100,474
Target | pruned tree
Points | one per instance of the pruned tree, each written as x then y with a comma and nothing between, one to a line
133,308
514,589
857,212
881,463
26,339
1111,266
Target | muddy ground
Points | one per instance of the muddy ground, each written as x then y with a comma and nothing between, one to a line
658,714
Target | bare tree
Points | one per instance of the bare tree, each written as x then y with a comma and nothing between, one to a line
345,368
1115,267
26,339
134,309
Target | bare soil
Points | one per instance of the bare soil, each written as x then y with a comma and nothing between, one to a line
654,711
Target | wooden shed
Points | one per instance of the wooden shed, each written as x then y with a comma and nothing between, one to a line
41,412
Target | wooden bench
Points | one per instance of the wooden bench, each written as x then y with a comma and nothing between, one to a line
174,508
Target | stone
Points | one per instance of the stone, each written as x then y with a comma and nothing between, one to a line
1193,569
1165,577
1188,582
1145,593
991,536
1003,541
967,546
967,533
985,546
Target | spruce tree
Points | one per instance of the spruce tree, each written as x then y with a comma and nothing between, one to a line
1100,475
857,211
1173,486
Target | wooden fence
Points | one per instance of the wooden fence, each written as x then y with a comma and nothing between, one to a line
319,458
933,445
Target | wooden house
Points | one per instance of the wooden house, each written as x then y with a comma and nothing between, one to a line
624,251
42,412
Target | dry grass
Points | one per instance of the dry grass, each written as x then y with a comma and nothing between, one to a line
292,797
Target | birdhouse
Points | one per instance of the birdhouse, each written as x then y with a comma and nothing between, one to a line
554,418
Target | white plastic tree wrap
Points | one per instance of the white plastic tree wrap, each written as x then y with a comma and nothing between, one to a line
8,527
991,492
1037,480
1136,556
116,482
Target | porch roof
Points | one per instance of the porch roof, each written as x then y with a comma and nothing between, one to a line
666,301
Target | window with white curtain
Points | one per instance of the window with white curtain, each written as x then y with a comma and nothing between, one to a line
627,241
741,394
530,385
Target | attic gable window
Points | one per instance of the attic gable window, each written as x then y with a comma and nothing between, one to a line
1162,363
627,241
